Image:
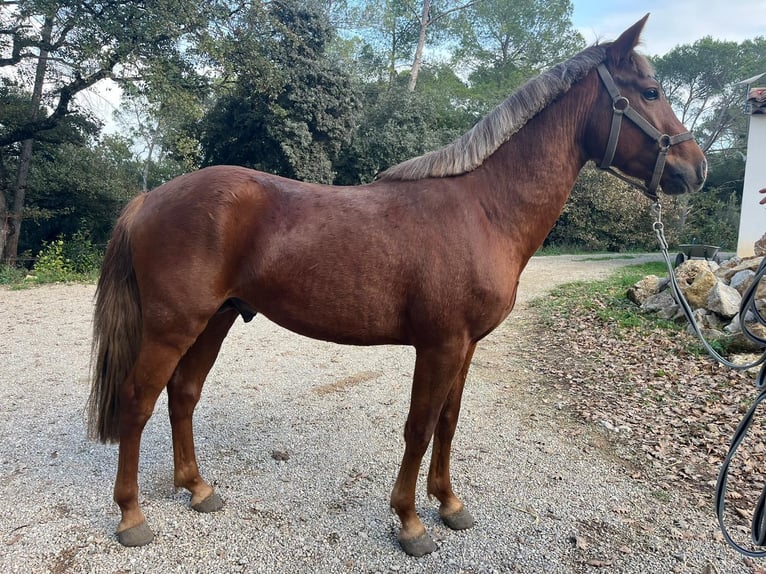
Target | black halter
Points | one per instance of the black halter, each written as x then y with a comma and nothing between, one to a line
621,107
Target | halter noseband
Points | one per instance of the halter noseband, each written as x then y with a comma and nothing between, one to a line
621,107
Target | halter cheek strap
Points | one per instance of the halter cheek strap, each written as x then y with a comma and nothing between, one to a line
621,107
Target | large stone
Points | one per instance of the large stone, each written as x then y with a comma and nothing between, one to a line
708,320
759,247
738,341
696,281
742,280
662,304
645,288
724,300
726,272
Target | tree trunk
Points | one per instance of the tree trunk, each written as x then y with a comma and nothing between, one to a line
424,21
4,214
147,165
12,221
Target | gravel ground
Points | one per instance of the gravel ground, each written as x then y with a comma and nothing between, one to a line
546,493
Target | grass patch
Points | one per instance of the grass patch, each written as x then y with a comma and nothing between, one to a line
605,299
10,275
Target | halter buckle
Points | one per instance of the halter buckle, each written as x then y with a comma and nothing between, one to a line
620,104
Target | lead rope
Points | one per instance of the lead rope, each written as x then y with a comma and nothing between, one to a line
758,530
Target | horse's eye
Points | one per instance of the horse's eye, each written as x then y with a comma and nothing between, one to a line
651,94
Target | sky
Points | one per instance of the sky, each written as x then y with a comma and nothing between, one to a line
671,22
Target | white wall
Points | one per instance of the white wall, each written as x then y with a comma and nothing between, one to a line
752,220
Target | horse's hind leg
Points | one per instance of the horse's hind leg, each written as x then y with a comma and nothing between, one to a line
436,372
452,510
150,374
184,391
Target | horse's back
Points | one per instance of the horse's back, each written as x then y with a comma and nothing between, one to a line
361,265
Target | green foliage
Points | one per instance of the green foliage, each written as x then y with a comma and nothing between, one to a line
506,43
11,274
712,221
61,261
605,214
76,189
52,265
397,125
296,123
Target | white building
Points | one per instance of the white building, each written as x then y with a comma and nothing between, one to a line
752,220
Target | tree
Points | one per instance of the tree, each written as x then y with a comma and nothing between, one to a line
78,189
504,43
427,20
64,47
398,124
160,113
700,81
292,113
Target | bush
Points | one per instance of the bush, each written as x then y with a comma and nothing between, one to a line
85,257
60,260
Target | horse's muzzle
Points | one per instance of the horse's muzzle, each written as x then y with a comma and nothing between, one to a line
683,178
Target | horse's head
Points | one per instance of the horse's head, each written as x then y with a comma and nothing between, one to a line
633,128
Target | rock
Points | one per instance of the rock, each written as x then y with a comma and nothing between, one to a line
696,281
740,342
726,272
733,327
724,300
759,247
714,296
707,320
641,291
709,334
741,280
662,303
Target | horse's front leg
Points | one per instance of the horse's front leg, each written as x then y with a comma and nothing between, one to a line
452,510
436,371
184,391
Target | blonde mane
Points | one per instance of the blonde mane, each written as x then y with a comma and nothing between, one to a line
471,149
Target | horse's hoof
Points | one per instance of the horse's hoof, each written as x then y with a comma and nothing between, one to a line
459,520
139,535
418,546
212,503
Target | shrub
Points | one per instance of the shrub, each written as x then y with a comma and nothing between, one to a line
60,260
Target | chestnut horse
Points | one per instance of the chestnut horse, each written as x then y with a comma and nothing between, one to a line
429,255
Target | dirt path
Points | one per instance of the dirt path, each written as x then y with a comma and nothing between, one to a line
547,495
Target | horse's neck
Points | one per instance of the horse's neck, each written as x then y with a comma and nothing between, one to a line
530,176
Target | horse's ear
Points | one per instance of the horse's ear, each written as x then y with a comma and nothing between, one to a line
628,40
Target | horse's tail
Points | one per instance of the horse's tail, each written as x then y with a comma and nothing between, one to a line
117,328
